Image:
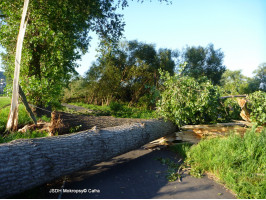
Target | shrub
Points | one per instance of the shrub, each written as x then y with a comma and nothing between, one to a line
257,105
186,101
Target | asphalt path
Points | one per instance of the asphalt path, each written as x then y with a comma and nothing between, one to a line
139,175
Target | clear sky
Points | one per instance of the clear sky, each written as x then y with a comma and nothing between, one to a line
238,27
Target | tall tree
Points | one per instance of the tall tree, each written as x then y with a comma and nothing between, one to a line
260,77
204,62
234,82
57,35
129,71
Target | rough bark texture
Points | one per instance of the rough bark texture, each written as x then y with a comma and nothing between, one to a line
31,162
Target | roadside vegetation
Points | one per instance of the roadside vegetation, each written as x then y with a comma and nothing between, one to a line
23,120
133,79
238,162
119,110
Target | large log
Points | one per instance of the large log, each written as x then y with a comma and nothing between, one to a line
27,163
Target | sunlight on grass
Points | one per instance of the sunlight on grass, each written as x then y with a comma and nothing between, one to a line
239,162
119,110
4,101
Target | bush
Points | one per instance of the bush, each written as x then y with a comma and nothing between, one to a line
186,101
237,161
257,105
231,109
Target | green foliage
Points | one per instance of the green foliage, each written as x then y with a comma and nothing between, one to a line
231,110
76,91
119,110
23,118
126,73
172,171
257,105
186,101
204,62
123,111
260,77
233,83
18,135
237,161
181,149
98,110
57,35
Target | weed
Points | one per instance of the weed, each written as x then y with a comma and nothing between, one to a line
75,129
173,171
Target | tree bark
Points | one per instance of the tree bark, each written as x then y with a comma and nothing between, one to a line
24,100
27,163
12,122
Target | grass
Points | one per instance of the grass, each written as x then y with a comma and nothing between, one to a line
100,110
23,119
18,135
4,101
238,162
181,149
119,110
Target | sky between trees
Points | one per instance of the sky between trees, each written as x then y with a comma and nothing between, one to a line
237,27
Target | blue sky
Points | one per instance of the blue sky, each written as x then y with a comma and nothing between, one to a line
238,27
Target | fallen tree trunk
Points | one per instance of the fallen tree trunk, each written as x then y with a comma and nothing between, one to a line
27,163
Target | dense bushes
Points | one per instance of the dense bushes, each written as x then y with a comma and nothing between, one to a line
186,101
257,105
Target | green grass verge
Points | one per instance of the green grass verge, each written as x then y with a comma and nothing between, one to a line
22,120
238,162
18,135
4,101
119,110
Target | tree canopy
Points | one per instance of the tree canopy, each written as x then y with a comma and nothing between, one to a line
204,61
58,33
128,72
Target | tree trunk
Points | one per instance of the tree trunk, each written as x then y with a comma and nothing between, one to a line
27,163
12,122
24,100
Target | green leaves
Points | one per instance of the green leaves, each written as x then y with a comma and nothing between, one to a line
257,105
186,101
57,35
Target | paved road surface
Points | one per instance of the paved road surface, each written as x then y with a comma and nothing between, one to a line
138,174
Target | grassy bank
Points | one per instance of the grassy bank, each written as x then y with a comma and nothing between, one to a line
238,162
